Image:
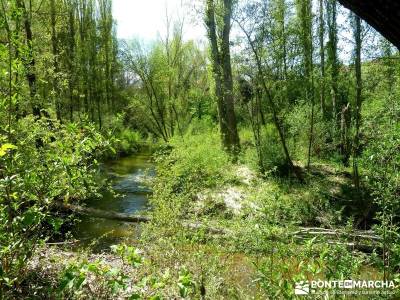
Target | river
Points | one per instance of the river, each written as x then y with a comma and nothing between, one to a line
127,176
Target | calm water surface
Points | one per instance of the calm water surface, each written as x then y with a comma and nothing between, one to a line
128,177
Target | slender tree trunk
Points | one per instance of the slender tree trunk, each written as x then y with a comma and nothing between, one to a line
260,108
304,15
322,55
57,95
281,11
10,72
345,121
333,59
30,64
71,59
216,66
357,37
311,134
254,115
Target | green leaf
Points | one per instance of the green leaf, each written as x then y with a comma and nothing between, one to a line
5,147
30,217
56,223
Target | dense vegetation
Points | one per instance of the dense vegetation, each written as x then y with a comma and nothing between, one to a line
277,150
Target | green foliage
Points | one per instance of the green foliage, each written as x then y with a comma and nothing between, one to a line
173,85
123,140
62,76
183,173
5,148
284,265
204,166
381,162
76,277
39,168
298,136
272,157
128,253
185,283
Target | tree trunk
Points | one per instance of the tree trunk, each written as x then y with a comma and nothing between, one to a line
30,64
233,137
322,55
271,103
333,60
56,90
222,71
71,59
305,17
357,37
345,121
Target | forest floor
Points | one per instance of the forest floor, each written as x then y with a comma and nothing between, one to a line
50,263
325,197
241,196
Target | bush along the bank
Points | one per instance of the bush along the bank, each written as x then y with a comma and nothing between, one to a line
41,162
123,140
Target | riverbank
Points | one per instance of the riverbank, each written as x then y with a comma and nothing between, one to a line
255,255
198,182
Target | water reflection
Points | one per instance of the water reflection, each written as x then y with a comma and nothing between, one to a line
128,176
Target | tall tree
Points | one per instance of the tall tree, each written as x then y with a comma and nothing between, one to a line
256,36
331,12
30,62
358,99
166,82
321,33
280,37
219,28
56,91
304,15
70,42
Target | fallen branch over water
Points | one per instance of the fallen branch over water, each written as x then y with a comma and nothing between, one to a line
124,217
361,240
363,247
350,235
63,243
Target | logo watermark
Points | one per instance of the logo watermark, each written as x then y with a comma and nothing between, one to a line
354,287
302,288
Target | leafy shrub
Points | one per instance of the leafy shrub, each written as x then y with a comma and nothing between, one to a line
128,141
184,168
39,167
201,126
195,162
381,160
286,264
298,120
274,158
75,278
128,254
269,157
124,140
185,283
381,165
